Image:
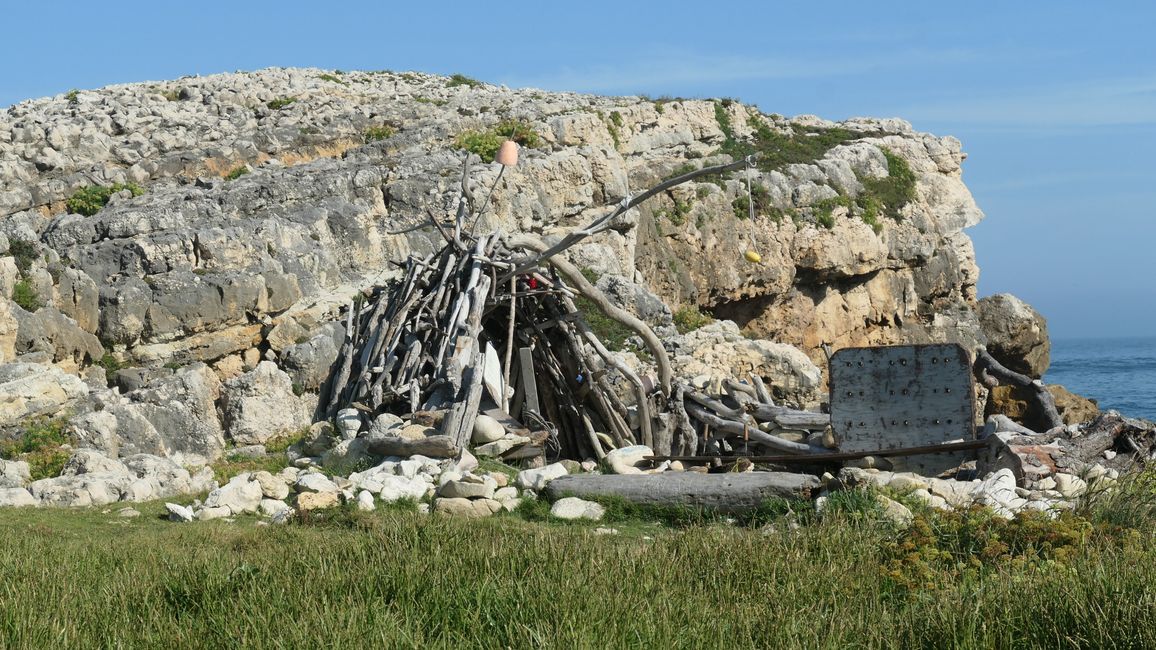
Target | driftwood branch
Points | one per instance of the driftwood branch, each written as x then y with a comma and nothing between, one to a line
987,366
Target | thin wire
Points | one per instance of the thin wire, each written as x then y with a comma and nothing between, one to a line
486,203
750,196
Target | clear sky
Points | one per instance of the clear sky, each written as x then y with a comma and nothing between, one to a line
1054,101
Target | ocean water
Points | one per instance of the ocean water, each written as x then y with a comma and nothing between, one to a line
1119,373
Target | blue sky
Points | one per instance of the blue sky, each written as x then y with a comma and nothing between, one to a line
1054,101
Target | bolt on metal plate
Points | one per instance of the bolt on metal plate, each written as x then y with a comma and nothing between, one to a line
903,396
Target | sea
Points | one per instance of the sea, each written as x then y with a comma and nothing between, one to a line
1119,373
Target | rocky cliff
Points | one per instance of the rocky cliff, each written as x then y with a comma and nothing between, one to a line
224,219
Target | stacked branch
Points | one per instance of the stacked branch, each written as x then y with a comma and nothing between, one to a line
488,324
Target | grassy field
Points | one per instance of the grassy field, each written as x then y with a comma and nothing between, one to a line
396,578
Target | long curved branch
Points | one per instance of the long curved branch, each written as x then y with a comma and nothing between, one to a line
583,286
986,365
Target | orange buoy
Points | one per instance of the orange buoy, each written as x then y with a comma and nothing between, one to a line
507,154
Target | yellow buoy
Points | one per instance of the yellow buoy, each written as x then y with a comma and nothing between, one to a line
753,257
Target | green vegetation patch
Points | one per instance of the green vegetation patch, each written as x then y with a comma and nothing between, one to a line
280,102
24,252
689,318
486,143
237,172
381,132
24,294
89,200
457,79
39,444
333,78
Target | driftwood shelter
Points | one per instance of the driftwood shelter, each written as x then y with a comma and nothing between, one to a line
488,325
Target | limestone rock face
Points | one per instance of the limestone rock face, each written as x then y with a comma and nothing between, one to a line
186,269
260,405
29,389
1017,335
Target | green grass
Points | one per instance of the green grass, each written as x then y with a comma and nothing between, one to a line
457,79
89,200
280,102
396,578
38,442
72,97
110,363
382,132
333,78
24,253
236,173
689,318
24,294
430,100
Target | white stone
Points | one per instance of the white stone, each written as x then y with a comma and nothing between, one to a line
314,482
272,487
178,512
466,490
575,508
487,429
365,502
506,493
270,507
1070,486
536,479
17,497
399,487
239,495
626,459
348,423
210,513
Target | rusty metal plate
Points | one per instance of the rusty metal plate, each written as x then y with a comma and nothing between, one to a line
901,396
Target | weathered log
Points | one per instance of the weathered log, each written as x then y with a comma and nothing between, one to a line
985,364
748,430
432,446
725,493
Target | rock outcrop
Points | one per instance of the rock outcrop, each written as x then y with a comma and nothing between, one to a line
240,212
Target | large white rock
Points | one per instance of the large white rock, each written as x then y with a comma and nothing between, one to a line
365,502
487,429
178,512
314,482
537,479
401,487
91,461
270,507
14,474
998,492
31,389
575,508
240,495
467,490
260,405
16,498
271,486
626,459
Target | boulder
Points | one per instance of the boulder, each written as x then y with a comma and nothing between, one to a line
310,363
240,495
8,329
90,461
59,336
94,489
270,507
538,479
487,429
307,501
394,488
1017,335
314,482
16,497
470,508
1020,405
14,474
260,405
30,390
467,490
271,486
179,513
575,508
365,502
